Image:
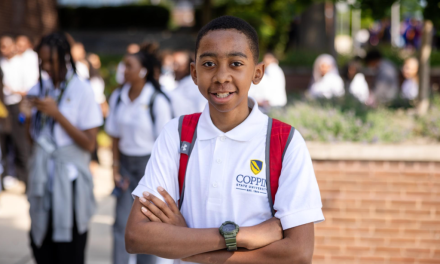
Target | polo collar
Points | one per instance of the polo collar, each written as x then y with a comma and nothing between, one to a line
245,131
146,90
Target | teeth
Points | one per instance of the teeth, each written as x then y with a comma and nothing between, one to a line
222,95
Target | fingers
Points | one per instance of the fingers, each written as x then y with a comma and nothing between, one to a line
158,207
150,215
169,200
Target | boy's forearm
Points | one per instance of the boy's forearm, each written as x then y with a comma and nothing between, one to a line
168,241
172,242
296,248
279,252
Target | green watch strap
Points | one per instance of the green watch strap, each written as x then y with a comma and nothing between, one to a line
231,242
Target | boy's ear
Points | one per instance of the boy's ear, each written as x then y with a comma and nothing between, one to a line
258,74
193,71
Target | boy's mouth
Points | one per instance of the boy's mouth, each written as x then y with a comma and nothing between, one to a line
222,95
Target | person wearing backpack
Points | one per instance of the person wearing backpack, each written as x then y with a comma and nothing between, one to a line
138,112
244,183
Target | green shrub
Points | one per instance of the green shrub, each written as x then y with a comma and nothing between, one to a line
347,120
429,125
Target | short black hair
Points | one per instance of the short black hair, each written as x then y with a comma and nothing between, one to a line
231,22
373,55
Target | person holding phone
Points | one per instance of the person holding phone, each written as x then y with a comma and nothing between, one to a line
64,122
138,112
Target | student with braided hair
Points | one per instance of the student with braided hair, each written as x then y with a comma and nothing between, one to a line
138,112
63,126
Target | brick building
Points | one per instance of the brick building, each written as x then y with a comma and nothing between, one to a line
378,212
30,17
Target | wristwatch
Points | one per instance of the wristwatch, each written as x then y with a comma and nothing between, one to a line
229,231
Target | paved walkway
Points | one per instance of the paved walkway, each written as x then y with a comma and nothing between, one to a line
15,222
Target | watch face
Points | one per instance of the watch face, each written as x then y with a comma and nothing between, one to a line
228,228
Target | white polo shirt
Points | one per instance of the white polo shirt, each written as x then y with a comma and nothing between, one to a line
131,122
219,175
77,105
272,87
186,98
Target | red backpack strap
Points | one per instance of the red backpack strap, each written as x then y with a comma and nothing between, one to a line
188,136
278,138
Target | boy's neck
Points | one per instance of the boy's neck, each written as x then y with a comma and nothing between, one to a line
226,121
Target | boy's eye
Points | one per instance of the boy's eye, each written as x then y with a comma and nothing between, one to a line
236,64
208,64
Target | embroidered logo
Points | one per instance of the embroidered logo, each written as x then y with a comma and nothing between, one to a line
256,166
184,148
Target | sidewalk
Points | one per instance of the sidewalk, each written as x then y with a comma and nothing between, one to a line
15,222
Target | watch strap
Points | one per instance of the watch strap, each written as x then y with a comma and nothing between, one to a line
231,242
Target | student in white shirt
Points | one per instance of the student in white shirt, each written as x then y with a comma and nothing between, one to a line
79,56
357,85
167,79
29,62
64,124
231,132
271,91
326,82
410,86
186,97
14,142
131,49
138,113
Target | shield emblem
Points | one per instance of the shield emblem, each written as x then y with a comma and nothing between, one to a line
256,166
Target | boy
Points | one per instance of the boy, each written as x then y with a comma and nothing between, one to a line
231,132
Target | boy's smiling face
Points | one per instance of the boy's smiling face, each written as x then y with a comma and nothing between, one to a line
225,68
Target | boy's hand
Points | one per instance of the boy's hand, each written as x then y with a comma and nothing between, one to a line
260,235
158,211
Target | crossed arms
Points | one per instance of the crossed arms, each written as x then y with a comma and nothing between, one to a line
158,228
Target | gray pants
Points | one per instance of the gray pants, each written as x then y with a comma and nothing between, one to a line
132,167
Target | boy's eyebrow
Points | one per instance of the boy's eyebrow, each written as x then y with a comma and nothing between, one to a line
208,54
237,54
232,54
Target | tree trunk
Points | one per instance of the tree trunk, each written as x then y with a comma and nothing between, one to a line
424,70
206,12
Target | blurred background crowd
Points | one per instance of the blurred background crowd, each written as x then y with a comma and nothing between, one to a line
339,71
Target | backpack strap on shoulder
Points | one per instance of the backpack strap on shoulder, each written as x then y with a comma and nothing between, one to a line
151,107
188,136
279,135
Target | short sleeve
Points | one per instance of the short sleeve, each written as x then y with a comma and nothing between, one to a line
90,115
111,126
298,200
162,168
35,90
163,113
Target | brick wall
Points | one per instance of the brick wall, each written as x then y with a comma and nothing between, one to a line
378,212
34,18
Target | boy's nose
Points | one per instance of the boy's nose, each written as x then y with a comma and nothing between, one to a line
222,75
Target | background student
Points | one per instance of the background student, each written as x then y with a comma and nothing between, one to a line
64,123
186,96
271,91
14,143
326,82
28,61
386,84
355,81
410,86
138,112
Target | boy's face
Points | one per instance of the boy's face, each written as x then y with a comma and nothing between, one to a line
225,68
